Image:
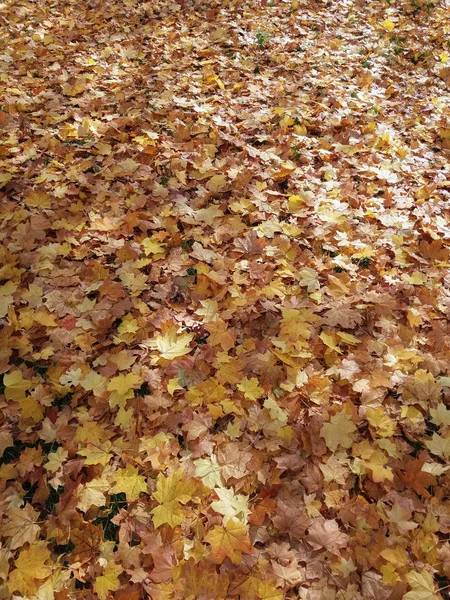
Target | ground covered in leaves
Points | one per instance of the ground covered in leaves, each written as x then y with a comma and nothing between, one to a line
224,298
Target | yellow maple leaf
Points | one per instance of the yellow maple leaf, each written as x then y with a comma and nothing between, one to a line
5,303
123,384
329,341
348,338
31,409
16,385
93,494
390,575
208,215
96,454
401,518
422,585
250,388
153,247
376,464
30,567
173,385
231,505
170,345
308,278
109,581
124,417
104,149
89,430
388,25
38,200
55,460
397,556
208,470
129,482
45,319
32,295
294,325
380,421
295,203
411,413
93,382
217,183
439,446
268,591
215,78
285,168
129,325
4,178
122,388
338,432
231,540
170,493
416,278
440,415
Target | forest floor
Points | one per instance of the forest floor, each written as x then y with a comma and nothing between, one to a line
224,300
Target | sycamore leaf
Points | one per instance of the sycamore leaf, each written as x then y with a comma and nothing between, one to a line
440,415
170,493
6,440
397,557
170,345
216,183
153,247
208,471
123,359
30,567
22,526
130,482
326,534
295,203
401,517
338,432
97,454
16,385
123,384
173,385
329,341
308,278
231,540
93,494
4,178
388,25
231,505
30,409
380,421
38,200
208,215
268,591
377,464
109,581
422,585
439,446
122,388
251,388
93,382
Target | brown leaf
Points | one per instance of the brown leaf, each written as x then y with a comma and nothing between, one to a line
326,534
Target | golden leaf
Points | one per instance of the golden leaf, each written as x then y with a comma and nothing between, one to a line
231,540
